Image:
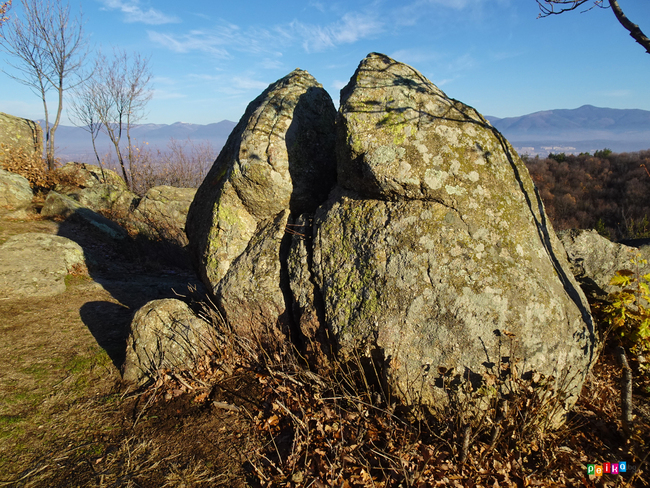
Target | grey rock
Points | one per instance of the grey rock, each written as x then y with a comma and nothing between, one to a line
19,138
61,206
278,161
165,335
73,176
96,188
15,195
594,259
437,245
35,265
162,212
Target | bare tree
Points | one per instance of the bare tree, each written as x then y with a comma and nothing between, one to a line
51,50
118,93
83,113
4,7
556,7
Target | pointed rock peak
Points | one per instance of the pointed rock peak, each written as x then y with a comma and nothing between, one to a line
297,77
379,72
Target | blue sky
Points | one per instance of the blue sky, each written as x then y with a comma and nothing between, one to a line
210,58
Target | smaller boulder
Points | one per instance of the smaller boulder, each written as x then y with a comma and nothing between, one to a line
35,265
61,206
73,176
162,212
595,260
96,188
15,195
165,334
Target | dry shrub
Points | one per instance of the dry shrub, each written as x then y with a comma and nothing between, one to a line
28,164
184,165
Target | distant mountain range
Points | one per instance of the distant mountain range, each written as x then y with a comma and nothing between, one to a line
583,129
75,143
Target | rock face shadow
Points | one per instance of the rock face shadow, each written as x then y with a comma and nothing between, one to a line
134,272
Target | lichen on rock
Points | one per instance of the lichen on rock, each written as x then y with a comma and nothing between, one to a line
277,164
437,243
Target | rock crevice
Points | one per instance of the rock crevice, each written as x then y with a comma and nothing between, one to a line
428,240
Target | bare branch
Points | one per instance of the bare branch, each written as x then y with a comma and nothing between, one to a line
557,7
634,30
119,91
50,49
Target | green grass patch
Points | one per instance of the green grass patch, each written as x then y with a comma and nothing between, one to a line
6,420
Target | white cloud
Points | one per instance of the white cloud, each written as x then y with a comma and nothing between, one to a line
617,93
134,13
338,84
223,39
192,41
246,83
351,28
167,95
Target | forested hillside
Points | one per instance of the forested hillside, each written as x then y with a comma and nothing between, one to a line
607,191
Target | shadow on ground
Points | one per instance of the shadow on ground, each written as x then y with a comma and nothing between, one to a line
134,272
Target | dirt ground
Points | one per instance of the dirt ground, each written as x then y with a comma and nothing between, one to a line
66,419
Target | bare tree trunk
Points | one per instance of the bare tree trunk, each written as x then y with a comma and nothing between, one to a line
626,392
633,29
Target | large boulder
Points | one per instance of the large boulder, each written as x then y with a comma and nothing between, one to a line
19,138
595,260
15,195
35,265
436,245
162,212
278,163
165,335
431,253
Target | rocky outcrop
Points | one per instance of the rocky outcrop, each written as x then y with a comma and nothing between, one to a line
74,176
35,265
595,260
15,195
278,162
162,212
165,335
63,207
433,251
19,138
96,188
437,244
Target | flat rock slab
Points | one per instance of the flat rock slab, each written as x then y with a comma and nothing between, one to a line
35,265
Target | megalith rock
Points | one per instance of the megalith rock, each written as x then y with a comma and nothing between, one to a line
36,264
165,335
15,195
277,164
19,138
595,259
435,246
162,212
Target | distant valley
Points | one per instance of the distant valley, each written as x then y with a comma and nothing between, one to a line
583,129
